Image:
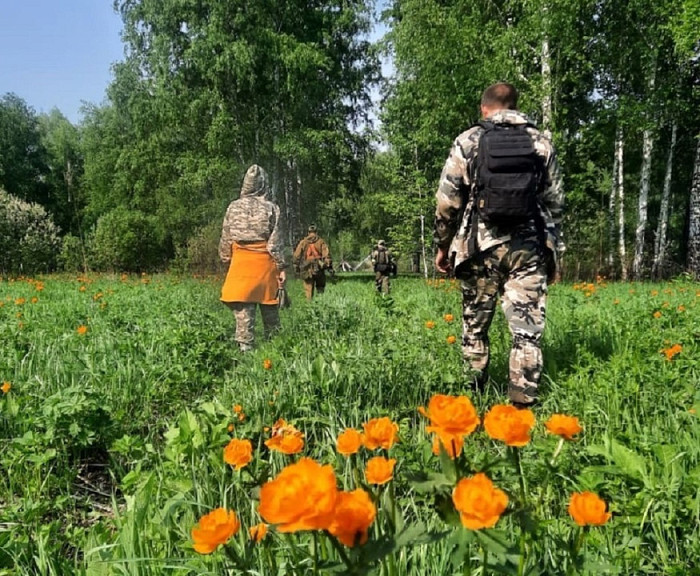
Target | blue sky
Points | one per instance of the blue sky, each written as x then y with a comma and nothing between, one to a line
58,53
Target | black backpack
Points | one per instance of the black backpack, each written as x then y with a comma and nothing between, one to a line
508,174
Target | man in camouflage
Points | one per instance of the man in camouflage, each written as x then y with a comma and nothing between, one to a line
311,259
251,244
383,262
515,262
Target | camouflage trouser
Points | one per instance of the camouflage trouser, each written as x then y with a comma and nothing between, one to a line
381,282
316,283
517,271
245,322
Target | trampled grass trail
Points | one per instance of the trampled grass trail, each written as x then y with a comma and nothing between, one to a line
118,399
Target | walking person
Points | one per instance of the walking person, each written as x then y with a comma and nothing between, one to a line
498,229
311,259
251,243
384,267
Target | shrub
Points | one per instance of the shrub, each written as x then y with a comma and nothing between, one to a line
128,240
201,252
29,239
74,254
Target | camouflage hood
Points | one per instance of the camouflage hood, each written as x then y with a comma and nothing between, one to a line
255,183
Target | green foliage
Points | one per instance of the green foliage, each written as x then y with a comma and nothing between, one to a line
156,374
128,240
201,252
73,256
29,239
23,158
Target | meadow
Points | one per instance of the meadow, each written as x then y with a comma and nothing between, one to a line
120,394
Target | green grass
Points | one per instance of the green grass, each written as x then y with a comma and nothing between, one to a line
111,441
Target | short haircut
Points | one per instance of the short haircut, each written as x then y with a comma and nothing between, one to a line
500,95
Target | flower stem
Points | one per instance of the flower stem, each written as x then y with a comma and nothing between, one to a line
523,500
557,450
340,550
575,551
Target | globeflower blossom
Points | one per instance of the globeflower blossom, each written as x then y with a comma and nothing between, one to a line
302,497
479,503
6,386
510,425
588,509
286,438
349,442
451,419
672,351
353,515
379,470
564,426
213,529
238,453
258,532
380,433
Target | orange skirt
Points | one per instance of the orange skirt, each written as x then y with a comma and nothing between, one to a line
252,275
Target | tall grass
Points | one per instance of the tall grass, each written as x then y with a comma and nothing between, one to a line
111,441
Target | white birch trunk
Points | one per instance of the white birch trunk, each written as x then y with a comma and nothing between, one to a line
662,226
694,217
647,150
611,206
619,152
546,69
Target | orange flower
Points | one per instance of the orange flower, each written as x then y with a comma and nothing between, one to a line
672,351
213,529
479,503
454,415
286,443
5,387
237,408
588,509
267,364
258,532
82,329
379,470
354,513
82,288
430,324
34,300
510,425
657,314
451,339
380,433
302,497
238,453
20,301
285,438
564,426
452,444
448,317
230,428
681,308
349,441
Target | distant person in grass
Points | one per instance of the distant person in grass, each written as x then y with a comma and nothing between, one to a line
498,229
384,267
311,259
251,243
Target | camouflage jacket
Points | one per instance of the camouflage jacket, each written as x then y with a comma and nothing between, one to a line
454,197
312,266
253,218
